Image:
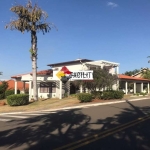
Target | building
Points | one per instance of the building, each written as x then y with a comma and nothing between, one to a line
20,85
138,84
50,86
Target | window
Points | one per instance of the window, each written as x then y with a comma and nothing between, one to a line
49,87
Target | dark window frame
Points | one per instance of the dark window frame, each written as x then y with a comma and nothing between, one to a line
47,87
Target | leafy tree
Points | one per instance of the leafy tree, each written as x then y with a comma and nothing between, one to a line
30,19
130,73
146,74
101,79
3,88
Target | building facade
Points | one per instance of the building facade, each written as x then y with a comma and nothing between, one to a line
50,86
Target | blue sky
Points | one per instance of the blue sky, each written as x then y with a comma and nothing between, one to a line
117,31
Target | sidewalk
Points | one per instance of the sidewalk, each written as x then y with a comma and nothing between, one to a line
66,103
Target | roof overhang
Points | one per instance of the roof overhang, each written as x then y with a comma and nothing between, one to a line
69,62
130,78
99,63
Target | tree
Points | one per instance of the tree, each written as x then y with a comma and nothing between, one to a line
146,74
3,88
101,79
30,19
130,73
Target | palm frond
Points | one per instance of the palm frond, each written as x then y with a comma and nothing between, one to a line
29,19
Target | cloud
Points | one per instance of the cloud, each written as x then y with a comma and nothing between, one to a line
111,4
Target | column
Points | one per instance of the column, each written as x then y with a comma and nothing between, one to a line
24,87
148,88
30,90
134,87
15,86
68,87
60,89
141,87
126,88
117,70
81,88
86,90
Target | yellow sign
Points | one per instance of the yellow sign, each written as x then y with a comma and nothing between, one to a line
60,74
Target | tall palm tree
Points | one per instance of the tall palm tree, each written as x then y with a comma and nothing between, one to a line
30,19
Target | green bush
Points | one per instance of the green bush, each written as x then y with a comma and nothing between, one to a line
84,97
3,88
118,94
97,94
73,95
18,99
112,94
108,95
142,93
2,96
9,92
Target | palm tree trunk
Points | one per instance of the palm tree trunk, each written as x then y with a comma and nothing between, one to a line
34,63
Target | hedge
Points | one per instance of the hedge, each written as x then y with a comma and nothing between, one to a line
113,94
2,96
9,92
84,97
97,94
18,99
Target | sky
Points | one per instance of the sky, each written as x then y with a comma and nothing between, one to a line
116,31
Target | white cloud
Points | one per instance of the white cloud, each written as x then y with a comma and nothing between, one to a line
111,4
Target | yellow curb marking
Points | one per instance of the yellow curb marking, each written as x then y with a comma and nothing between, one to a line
106,133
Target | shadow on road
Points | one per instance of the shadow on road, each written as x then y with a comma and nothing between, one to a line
53,130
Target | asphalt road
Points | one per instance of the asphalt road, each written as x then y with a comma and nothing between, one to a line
124,126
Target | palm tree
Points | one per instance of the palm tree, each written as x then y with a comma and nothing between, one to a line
30,19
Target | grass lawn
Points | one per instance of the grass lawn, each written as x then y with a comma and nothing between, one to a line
40,105
52,104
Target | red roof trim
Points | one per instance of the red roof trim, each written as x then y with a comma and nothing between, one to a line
42,72
121,76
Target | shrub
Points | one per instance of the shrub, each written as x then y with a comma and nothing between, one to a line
9,92
113,94
73,95
118,94
3,88
142,93
2,96
108,95
18,99
84,97
97,94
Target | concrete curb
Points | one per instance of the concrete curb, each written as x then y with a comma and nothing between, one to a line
74,107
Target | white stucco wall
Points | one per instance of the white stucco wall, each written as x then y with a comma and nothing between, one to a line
76,67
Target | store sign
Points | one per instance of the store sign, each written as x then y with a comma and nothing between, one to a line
82,75
64,74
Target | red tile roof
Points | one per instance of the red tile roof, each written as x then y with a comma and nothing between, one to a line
121,76
42,72
11,84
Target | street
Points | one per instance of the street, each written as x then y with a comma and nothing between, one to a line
121,126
